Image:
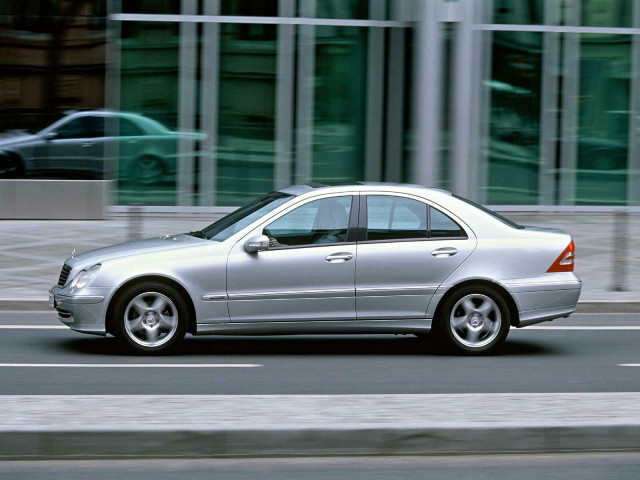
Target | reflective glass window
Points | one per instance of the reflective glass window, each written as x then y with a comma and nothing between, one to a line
607,13
317,222
395,218
603,119
341,9
246,115
339,104
518,12
149,80
514,122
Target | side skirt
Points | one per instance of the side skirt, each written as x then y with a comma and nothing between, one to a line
415,326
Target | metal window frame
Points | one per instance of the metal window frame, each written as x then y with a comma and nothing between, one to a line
209,105
186,105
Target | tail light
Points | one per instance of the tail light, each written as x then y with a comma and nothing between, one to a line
564,263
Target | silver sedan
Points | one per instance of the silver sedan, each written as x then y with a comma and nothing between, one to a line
365,258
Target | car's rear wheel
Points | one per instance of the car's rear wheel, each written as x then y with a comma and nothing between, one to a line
147,170
150,318
474,320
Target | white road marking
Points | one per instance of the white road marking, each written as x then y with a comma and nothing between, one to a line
33,327
629,364
132,365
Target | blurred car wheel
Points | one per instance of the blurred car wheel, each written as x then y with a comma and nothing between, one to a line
10,167
147,170
150,318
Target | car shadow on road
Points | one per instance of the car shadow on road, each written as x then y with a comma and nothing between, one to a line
329,345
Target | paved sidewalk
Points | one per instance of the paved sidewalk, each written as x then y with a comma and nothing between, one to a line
32,252
270,425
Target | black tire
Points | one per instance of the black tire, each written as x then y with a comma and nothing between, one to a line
150,318
146,170
10,166
474,320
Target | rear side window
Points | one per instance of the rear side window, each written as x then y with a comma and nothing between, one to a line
399,218
443,226
395,218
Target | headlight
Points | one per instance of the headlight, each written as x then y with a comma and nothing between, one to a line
84,277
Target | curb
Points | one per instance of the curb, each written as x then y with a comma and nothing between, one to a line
594,306
113,426
315,442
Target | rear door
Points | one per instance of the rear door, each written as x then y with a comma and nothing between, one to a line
405,252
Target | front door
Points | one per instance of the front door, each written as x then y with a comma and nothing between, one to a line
307,274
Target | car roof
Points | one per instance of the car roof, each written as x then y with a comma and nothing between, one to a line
363,187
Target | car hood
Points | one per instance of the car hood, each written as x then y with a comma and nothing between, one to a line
150,245
17,140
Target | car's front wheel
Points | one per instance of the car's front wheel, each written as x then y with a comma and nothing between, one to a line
150,318
474,320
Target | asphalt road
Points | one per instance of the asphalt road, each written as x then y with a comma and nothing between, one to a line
621,466
584,353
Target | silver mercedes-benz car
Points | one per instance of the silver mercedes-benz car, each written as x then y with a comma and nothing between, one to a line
362,258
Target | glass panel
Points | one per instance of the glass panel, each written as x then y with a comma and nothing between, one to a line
603,119
346,9
151,6
320,221
607,13
246,131
339,104
395,218
442,226
149,89
518,12
514,129
249,8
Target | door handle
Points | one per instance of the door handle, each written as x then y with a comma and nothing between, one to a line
444,252
87,144
339,257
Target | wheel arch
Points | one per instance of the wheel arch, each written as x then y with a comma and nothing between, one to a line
17,157
191,327
496,287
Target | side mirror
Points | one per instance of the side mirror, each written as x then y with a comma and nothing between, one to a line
256,244
51,135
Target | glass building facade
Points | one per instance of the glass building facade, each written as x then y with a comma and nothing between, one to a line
505,102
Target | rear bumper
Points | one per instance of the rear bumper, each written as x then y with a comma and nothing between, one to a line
545,298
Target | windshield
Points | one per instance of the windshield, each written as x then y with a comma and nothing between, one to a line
237,220
504,220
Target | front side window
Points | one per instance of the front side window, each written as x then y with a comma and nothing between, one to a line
82,127
317,222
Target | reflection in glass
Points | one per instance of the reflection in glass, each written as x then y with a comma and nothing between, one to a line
339,109
149,86
514,133
518,12
606,13
603,119
247,112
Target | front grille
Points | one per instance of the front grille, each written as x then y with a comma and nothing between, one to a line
64,275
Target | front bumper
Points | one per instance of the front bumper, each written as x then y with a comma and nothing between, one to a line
84,313
545,298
